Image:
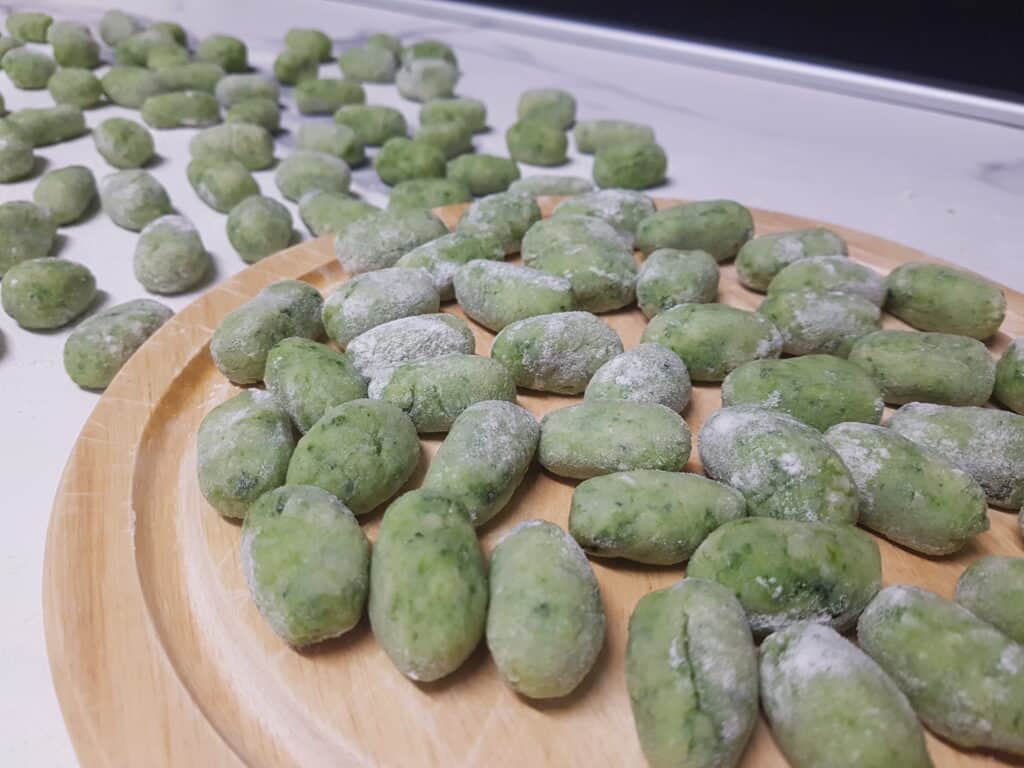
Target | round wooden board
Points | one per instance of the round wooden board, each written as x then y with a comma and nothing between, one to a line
160,658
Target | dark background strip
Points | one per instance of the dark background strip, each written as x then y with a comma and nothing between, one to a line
968,46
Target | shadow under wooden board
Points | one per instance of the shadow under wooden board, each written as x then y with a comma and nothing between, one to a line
160,658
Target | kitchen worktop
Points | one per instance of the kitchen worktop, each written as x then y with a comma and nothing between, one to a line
938,172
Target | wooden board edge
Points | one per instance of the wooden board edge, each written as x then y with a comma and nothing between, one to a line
112,730
124,734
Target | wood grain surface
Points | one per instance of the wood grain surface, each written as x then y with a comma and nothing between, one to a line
160,658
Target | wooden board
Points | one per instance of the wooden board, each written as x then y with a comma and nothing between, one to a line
160,658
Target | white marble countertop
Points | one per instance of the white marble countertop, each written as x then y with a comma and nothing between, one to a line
950,185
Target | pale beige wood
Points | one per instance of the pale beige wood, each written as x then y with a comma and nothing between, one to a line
160,659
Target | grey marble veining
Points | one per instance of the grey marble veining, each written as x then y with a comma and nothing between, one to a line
1008,176
948,185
